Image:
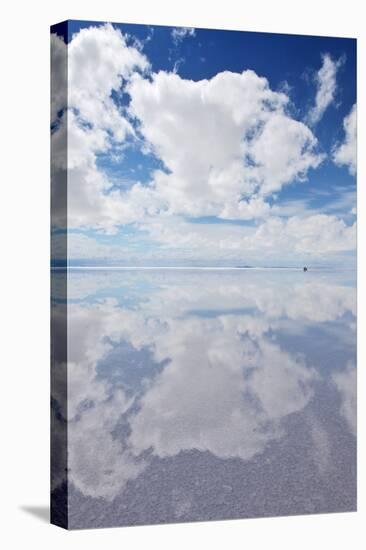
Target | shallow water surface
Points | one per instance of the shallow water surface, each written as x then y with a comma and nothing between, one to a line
206,394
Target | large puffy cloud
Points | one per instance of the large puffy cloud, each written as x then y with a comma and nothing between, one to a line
99,59
346,152
99,62
326,88
226,142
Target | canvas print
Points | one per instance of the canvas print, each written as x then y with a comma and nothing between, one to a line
203,271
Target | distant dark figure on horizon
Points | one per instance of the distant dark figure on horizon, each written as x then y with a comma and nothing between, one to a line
305,268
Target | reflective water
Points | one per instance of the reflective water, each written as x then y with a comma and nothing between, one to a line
196,395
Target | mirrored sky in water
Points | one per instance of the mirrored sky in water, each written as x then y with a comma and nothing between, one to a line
208,395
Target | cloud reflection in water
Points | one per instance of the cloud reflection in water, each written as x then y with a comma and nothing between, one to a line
164,365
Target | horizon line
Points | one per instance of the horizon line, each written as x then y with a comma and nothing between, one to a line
247,268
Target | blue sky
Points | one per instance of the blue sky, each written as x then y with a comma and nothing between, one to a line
208,147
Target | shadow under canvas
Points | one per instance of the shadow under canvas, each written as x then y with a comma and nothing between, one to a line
40,512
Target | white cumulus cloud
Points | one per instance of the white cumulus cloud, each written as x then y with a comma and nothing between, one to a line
223,141
99,59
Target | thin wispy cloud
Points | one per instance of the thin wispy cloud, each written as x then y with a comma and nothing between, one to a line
180,33
326,84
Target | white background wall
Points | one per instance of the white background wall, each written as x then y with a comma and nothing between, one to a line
24,201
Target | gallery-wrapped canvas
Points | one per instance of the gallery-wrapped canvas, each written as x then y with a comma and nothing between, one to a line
203,270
